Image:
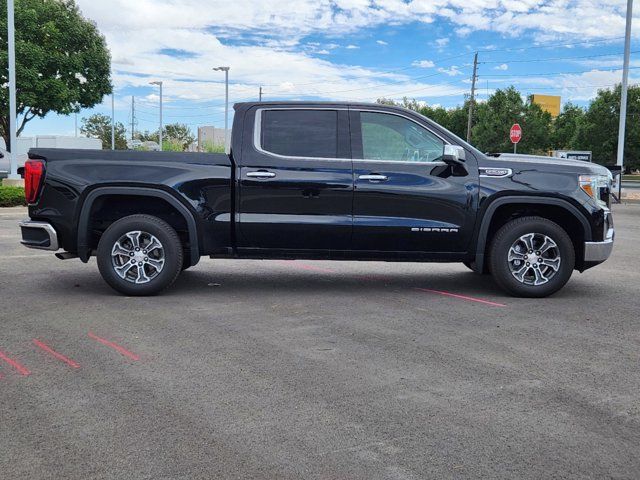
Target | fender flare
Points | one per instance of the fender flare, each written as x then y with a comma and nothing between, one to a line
483,231
83,220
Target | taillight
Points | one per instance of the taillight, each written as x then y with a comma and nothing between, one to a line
33,176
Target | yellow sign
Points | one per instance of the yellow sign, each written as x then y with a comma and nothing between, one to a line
548,103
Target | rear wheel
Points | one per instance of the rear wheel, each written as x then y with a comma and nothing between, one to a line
140,255
531,257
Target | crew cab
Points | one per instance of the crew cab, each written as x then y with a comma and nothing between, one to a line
337,181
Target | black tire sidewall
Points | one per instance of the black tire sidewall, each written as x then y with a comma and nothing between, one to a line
170,243
508,234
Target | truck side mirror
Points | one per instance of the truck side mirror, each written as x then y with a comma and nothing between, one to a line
453,155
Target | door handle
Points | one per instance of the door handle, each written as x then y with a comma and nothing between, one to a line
261,174
374,177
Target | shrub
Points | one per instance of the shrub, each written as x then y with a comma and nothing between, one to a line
210,147
11,196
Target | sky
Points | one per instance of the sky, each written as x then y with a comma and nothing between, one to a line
351,50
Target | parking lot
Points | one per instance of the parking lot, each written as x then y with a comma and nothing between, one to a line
305,369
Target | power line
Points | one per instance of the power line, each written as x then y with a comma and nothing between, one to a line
553,73
555,58
374,73
516,49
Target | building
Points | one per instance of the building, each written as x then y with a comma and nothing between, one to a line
548,103
45,141
210,136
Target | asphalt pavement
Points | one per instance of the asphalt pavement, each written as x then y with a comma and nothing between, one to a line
318,370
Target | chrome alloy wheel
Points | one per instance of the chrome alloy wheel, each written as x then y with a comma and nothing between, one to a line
137,257
534,259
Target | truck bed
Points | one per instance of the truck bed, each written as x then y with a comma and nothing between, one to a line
55,154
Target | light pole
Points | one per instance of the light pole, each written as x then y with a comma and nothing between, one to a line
226,105
160,85
113,120
13,136
623,95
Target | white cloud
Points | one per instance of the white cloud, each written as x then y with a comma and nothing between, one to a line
574,87
423,64
323,52
381,42
259,39
502,66
452,71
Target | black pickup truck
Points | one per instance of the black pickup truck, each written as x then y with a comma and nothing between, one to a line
339,181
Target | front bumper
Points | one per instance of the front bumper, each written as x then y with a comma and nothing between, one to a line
597,252
39,235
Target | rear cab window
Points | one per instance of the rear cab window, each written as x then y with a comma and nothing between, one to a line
300,132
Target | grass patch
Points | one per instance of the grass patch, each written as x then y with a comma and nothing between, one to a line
631,177
11,196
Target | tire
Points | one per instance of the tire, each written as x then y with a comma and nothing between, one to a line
149,271
515,263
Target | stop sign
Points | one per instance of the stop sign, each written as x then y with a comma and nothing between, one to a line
515,134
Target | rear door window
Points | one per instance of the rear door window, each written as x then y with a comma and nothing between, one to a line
300,133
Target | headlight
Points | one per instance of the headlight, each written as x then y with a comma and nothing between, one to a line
596,186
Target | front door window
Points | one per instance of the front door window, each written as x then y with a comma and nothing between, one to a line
392,138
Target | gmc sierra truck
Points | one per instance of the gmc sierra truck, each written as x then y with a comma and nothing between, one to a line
338,181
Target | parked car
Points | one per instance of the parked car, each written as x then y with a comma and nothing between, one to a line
338,181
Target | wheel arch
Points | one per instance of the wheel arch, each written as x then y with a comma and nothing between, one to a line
84,218
528,205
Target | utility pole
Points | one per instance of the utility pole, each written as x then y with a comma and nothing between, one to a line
625,80
133,117
473,94
260,92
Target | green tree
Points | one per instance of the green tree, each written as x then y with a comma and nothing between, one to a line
504,108
453,119
491,130
179,133
99,126
147,136
176,137
62,61
538,125
566,127
599,130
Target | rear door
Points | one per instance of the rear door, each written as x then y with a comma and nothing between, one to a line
406,199
296,180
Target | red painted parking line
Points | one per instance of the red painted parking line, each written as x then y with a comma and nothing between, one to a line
462,297
115,346
57,355
22,370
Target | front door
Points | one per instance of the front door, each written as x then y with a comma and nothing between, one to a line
296,180
406,199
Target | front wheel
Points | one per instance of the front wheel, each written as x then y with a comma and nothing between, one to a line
531,257
140,255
